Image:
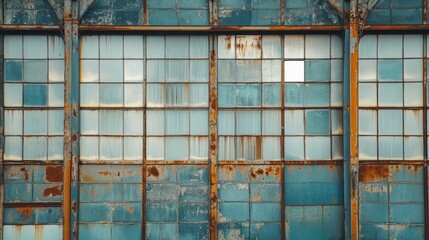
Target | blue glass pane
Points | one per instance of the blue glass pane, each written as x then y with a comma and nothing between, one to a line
13,71
317,122
317,148
294,122
176,95
317,70
34,94
248,122
368,122
294,148
227,95
249,70
367,94
294,94
390,148
317,95
390,70
35,71
272,94
248,95
111,95
390,122
390,94
367,148
226,122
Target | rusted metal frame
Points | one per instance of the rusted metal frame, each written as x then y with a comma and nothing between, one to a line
425,130
31,204
354,134
390,162
145,12
390,28
213,138
282,137
15,27
144,162
282,18
104,162
2,139
27,162
214,29
213,12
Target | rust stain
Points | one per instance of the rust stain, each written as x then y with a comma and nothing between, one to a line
54,174
228,42
371,173
25,212
104,173
414,168
74,137
74,207
153,171
53,191
26,174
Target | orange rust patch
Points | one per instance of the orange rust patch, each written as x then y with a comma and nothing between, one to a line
105,173
25,212
53,191
373,173
25,171
54,174
74,137
414,168
153,171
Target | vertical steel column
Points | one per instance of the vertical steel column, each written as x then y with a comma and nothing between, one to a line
425,11
1,133
213,12
71,118
354,137
213,139
425,136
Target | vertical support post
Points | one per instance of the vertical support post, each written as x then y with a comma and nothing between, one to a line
71,118
213,139
425,135
282,12
213,12
354,137
425,11
1,133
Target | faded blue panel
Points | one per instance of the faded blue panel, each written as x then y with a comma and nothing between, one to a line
162,17
315,173
131,192
161,3
193,17
227,95
235,17
317,70
407,213
192,174
195,4
127,17
390,94
265,192
98,192
373,212
401,193
271,95
18,216
390,147
378,16
95,212
126,231
390,70
194,212
408,174
49,215
233,192
161,174
114,12
232,174
161,212
266,231
306,222
317,122
314,193
13,71
240,4
313,12
127,212
156,231
265,212
248,95
296,4
407,16
265,17
161,192
374,231
189,231
373,192
407,4
233,231
407,231
18,174
194,192
29,12
95,231
317,95
294,94
35,95
18,192
233,212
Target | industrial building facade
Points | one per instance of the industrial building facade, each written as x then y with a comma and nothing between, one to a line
214,119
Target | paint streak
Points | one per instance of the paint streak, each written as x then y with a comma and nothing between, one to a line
54,174
368,173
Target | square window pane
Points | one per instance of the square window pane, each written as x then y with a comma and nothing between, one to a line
413,46
89,122
111,71
389,46
134,95
337,121
271,148
133,122
413,122
317,46
199,47
271,46
13,149
248,95
13,71
199,122
226,148
368,46
337,148
294,71
248,148
111,46
271,122
35,71
294,122
56,122
155,71
177,70
12,95
111,148
13,46
413,70
56,95
336,94
133,70
390,122
89,95
390,94
35,122
226,123
155,148
368,148
89,148
133,148
317,70
413,148
294,95
199,70
294,46
89,47
391,148
248,47
35,95
56,70
111,95
155,95
13,122
133,47
55,148
110,122
337,70
227,95
317,122
35,148
367,70
177,46
176,148
177,95
176,122
368,122
155,46
317,148
199,95
317,95
413,94
336,46
89,71
199,148
154,122
248,122
390,70
271,70
248,70
367,94
226,46
272,95
294,148
35,46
